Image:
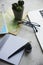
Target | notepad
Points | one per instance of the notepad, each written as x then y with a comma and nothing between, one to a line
36,17
12,44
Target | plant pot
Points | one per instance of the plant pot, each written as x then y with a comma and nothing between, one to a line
18,14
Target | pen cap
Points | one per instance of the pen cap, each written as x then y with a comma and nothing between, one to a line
28,48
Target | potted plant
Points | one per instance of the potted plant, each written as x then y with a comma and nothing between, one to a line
18,9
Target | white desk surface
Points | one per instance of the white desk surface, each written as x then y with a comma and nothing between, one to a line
36,56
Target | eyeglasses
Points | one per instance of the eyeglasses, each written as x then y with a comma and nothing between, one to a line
31,24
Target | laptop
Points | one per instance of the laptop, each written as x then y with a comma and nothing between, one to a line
36,17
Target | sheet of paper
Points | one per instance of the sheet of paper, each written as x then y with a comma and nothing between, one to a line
36,18
12,44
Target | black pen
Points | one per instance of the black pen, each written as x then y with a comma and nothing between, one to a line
27,48
20,49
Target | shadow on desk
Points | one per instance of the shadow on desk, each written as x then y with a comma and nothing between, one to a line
2,35
2,62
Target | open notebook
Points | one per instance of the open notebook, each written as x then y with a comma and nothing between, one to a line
12,44
37,18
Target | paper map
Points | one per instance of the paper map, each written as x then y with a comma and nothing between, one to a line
11,24
2,25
